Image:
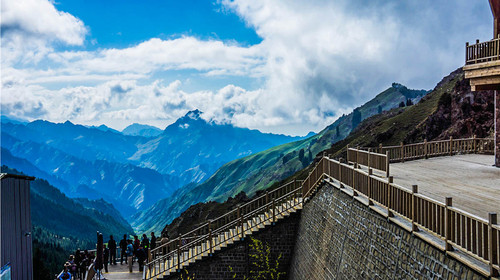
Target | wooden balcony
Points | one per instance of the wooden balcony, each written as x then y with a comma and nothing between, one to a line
482,65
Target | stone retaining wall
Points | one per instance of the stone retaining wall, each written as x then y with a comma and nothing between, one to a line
341,238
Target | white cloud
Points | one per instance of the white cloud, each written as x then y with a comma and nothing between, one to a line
317,60
29,26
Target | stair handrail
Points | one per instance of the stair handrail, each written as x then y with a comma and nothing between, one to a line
256,205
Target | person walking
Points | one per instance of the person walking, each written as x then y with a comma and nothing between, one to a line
112,250
123,248
130,254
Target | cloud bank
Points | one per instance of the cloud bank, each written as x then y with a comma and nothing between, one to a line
317,60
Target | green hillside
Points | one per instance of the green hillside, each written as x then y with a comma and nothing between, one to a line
442,113
261,170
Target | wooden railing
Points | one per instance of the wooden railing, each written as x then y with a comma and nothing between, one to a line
482,52
206,238
457,229
369,159
406,152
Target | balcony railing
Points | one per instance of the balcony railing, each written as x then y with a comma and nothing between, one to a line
482,52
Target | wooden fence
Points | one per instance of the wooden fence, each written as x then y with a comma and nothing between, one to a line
406,152
212,234
458,230
482,52
369,159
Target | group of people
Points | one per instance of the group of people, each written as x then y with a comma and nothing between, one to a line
77,265
130,251
136,250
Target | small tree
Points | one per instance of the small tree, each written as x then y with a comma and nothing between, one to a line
263,266
402,104
409,102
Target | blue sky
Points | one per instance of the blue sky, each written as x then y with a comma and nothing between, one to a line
281,66
118,23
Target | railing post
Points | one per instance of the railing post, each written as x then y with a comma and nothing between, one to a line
402,152
451,145
370,173
414,191
390,180
493,248
274,210
179,252
425,149
340,172
387,164
357,154
448,224
267,201
466,53
210,238
474,144
354,191
380,147
239,220
369,152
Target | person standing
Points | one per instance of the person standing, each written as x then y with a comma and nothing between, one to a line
152,244
145,242
141,257
105,257
123,249
137,243
112,250
130,254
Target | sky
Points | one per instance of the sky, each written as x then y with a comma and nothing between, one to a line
281,66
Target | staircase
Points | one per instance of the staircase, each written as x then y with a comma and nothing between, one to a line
230,228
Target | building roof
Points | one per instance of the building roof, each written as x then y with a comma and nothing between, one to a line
8,175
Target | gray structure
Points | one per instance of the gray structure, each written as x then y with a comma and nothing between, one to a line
15,225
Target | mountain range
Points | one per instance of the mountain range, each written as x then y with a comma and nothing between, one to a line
260,170
130,171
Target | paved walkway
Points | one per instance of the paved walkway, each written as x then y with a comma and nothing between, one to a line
120,271
471,180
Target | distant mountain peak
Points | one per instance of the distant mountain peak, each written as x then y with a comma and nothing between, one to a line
194,114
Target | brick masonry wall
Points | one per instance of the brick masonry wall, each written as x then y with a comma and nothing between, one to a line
280,238
340,238
497,127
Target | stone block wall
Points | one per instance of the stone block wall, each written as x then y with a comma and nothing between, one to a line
280,238
497,127
340,238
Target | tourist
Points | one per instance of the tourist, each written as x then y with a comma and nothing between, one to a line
145,242
141,257
105,257
123,248
72,265
130,254
65,275
137,243
112,250
152,244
